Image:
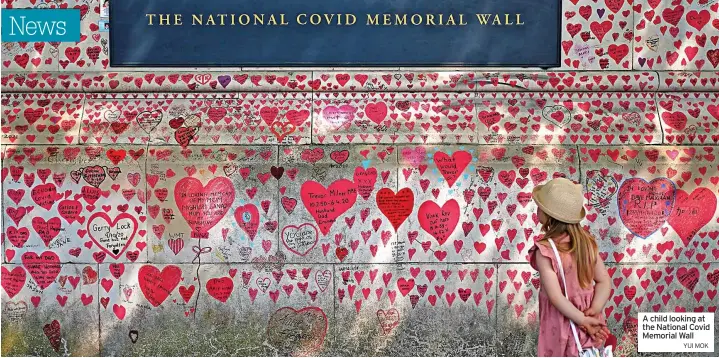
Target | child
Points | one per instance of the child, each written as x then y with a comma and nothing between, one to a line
560,209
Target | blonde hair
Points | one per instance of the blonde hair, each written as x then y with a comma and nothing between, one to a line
581,243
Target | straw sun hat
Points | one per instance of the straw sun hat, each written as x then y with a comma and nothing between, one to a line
561,199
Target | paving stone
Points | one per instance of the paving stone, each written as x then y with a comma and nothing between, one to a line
198,119
652,205
389,309
328,197
49,309
213,204
370,118
84,204
689,118
41,119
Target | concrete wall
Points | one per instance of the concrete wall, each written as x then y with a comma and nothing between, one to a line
288,212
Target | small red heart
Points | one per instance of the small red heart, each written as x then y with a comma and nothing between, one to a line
177,122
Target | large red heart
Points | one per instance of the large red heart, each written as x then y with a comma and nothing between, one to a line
13,281
156,285
204,206
47,230
326,205
644,206
396,207
439,222
452,167
691,212
676,120
43,268
376,112
45,196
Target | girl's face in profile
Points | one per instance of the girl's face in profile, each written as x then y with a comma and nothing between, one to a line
542,216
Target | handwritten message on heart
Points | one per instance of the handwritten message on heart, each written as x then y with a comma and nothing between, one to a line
112,236
149,120
692,212
157,285
452,167
603,189
300,240
220,288
438,221
248,218
203,206
339,116
12,281
327,204
644,206
388,320
43,268
365,180
396,207
297,332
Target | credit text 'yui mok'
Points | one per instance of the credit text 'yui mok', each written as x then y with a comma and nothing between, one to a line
335,19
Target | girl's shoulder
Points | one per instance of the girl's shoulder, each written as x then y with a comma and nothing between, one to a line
541,247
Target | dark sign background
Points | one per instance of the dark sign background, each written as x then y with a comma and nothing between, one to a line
134,43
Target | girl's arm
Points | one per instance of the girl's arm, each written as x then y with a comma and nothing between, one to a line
550,285
602,288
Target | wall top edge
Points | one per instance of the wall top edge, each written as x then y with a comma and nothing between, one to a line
361,81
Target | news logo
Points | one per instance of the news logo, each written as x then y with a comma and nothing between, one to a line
40,25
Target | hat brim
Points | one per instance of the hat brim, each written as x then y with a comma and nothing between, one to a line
538,199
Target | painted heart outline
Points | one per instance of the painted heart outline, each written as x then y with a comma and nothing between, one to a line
557,115
293,247
112,223
310,323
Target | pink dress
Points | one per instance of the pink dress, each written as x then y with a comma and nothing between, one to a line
555,334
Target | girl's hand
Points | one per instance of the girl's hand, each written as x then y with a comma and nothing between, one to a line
591,311
598,333
590,321
595,328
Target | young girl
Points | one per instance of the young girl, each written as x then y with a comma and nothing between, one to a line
560,209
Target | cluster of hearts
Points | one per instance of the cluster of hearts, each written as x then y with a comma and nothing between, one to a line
434,201
434,197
